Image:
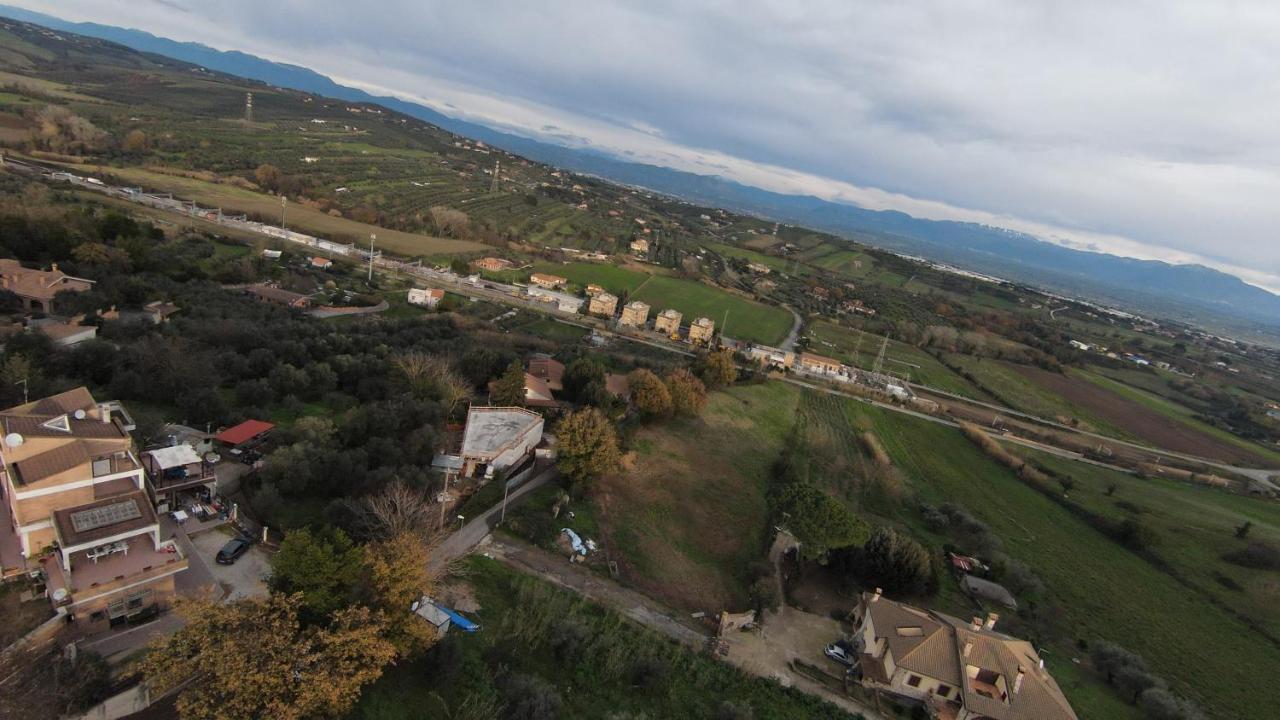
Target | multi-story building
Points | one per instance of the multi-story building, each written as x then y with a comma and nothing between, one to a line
492,264
547,281
700,330
77,509
958,670
810,362
603,304
668,322
771,356
635,314
640,246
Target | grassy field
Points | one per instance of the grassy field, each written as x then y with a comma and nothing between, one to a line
840,342
600,664
616,280
1096,589
1181,414
236,199
748,320
689,514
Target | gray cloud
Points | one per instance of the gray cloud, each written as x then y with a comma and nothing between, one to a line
1144,128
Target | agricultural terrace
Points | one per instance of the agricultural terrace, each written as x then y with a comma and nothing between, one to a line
748,320
837,341
688,512
233,199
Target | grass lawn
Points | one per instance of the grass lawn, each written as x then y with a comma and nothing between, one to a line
600,664
235,199
20,618
545,327
772,262
616,280
688,513
1177,412
748,320
840,342
1096,589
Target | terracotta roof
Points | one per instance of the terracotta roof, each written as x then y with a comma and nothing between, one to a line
64,402
38,426
618,385
244,432
50,462
548,369
810,358
39,284
536,392
62,331
266,292
80,525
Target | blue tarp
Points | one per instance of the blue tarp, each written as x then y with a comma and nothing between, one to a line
459,621
575,541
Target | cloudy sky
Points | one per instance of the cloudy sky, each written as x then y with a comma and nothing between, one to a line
1149,129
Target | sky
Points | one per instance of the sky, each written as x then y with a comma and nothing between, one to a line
1148,129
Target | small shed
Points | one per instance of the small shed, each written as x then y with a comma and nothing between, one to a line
249,431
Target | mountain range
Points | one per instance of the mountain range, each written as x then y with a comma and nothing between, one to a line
1185,292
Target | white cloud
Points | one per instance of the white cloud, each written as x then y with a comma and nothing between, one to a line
1144,129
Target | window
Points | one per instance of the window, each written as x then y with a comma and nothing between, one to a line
102,466
943,690
913,680
97,616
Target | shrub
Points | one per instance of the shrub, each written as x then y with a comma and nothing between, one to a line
892,561
1258,556
529,697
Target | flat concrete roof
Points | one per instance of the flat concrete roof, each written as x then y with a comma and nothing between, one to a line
492,430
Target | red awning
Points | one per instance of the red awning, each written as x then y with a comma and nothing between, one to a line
244,432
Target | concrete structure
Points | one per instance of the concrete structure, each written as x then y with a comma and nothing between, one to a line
958,670
701,330
278,296
563,302
545,280
640,247
68,333
819,364
756,267
76,504
177,470
37,288
771,356
498,438
492,264
635,314
668,322
425,297
603,304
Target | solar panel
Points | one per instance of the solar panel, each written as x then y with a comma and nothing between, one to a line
94,518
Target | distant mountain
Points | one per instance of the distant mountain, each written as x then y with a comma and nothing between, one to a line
1189,292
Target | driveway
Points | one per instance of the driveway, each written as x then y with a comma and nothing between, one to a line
246,578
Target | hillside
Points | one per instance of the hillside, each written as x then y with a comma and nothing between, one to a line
1185,292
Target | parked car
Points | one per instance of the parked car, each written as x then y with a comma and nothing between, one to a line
840,653
232,551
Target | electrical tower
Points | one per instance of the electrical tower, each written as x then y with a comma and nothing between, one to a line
497,168
248,107
879,365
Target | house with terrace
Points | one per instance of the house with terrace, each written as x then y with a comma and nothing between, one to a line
37,288
952,668
77,512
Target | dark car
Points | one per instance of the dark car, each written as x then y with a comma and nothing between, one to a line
232,551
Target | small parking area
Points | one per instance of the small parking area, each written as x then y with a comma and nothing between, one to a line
246,578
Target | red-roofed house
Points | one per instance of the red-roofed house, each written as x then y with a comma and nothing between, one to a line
245,433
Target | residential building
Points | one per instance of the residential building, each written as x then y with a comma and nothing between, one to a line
425,297
1081,346
759,268
176,471
498,439
492,264
603,304
594,290
563,302
156,312
771,356
701,330
278,296
958,670
547,281
245,435
668,322
37,288
640,246
537,393
549,370
68,333
635,314
321,263
819,364
77,510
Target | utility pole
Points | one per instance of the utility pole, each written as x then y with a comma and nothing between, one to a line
283,201
372,237
497,167
248,107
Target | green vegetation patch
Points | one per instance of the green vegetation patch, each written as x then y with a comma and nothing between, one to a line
748,320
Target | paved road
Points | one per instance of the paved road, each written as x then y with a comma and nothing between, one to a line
789,344
463,540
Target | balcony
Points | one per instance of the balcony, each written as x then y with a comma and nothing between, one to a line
108,567
177,468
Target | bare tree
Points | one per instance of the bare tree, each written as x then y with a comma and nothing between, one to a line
433,377
398,509
449,222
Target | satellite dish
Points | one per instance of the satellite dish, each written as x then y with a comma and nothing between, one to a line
59,595
79,414
13,440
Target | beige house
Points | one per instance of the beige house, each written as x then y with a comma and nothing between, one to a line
771,356
594,290
640,246
77,509
278,296
425,297
492,264
635,314
700,330
37,288
603,304
547,281
960,670
819,364
668,322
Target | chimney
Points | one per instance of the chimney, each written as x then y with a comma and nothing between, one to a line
105,411
53,268
975,624
990,624
1017,681
877,594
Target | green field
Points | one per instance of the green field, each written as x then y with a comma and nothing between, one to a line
1096,589
617,280
840,342
747,319
690,513
600,664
